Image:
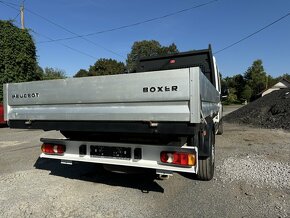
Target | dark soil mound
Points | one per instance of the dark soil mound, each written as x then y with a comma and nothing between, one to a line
271,111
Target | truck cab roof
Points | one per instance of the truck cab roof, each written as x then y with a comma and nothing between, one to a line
196,58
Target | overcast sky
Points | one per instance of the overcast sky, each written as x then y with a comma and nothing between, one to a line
220,23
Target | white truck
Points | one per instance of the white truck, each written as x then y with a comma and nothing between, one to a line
164,116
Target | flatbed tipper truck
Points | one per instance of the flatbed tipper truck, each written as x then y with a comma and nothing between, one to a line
163,117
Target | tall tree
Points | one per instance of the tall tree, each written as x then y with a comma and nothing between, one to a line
272,81
232,96
147,48
246,94
53,73
39,71
235,86
105,66
286,76
17,55
239,84
82,73
256,77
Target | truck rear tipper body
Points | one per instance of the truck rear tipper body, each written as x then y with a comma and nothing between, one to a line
163,119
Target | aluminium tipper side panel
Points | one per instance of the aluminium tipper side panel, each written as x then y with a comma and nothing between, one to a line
151,96
204,98
210,97
103,89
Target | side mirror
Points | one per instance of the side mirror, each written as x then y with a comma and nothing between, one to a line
224,92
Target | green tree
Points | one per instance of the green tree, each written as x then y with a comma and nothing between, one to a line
39,71
147,48
82,73
105,66
229,82
171,49
223,81
246,93
271,81
236,85
232,97
239,85
256,78
17,55
286,76
53,73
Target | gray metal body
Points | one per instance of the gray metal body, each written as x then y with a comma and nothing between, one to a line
180,95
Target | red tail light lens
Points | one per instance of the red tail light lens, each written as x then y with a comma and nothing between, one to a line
179,158
53,149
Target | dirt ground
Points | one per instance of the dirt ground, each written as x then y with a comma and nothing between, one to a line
252,179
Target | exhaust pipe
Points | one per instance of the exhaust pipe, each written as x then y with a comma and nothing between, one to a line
163,176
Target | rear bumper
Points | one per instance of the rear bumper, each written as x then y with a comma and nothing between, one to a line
150,155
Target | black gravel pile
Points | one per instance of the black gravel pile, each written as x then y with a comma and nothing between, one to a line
271,111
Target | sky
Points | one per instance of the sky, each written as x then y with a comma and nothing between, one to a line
220,23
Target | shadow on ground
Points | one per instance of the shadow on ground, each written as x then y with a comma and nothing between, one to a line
144,180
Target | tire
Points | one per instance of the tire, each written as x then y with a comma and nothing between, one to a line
220,128
206,164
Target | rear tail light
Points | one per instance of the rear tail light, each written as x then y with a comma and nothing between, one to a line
53,149
179,158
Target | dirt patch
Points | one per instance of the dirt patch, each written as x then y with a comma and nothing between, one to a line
271,111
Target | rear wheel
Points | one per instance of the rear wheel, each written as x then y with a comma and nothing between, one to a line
206,164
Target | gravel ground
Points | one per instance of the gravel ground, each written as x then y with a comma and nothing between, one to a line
251,180
256,170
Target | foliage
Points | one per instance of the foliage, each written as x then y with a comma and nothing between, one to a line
105,66
17,55
286,76
256,78
232,97
246,94
147,48
271,81
250,85
239,84
236,85
39,71
82,73
50,73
